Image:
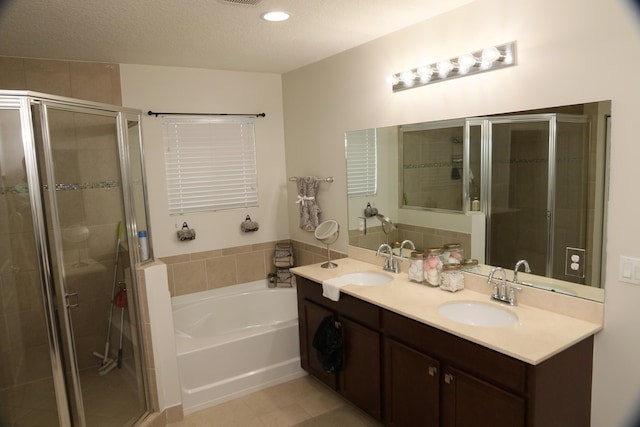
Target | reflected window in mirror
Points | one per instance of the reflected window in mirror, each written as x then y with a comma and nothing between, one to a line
362,163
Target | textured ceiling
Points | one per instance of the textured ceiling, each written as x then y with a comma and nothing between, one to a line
202,33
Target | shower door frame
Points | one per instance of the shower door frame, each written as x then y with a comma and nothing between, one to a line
25,101
486,161
44,267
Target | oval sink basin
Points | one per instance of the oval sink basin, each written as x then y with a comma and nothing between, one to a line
365,278
478,314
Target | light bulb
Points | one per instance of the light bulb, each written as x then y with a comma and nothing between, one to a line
490,54
465,62
407,77
444,67
508,56
425,72
393,80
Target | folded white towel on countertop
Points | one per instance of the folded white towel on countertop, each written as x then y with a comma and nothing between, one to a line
331,288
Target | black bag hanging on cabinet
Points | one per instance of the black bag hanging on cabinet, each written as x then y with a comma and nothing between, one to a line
327,342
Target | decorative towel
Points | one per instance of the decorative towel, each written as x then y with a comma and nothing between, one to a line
283,255
331,288
309,209
328,345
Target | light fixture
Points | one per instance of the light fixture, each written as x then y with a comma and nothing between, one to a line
490,58
276,16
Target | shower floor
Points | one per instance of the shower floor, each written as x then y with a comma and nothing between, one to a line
109,400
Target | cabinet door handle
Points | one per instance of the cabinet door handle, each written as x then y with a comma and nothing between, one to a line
433,371
448,378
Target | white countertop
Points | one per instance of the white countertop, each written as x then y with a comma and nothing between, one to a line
538,334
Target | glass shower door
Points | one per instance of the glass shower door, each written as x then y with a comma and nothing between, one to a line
29,368
85,215
520,204
540,195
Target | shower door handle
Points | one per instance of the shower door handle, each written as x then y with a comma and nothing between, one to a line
73,296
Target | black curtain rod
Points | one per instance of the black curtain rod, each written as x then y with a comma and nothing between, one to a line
154,113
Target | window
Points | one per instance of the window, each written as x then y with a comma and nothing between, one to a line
210,163
362,163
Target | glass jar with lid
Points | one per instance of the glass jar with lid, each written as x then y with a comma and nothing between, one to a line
433,266
470,265
452,253
416,268
451,278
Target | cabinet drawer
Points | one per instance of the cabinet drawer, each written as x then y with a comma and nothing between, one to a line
473,358
350,307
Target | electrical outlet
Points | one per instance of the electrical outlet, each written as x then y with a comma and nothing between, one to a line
574,262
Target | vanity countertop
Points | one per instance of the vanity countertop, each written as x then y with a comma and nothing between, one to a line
538,334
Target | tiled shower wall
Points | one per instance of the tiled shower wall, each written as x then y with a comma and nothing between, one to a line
22,305
91,81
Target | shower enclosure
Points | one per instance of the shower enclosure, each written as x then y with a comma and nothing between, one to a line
537,187
71,176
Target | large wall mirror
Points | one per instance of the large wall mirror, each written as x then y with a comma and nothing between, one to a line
521,185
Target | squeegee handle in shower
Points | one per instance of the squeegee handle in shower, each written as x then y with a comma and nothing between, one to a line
105,356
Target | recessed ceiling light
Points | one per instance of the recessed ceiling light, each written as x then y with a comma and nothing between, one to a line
276,16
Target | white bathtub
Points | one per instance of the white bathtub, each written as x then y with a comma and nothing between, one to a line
235,340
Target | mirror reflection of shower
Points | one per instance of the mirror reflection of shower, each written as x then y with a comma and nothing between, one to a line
327,232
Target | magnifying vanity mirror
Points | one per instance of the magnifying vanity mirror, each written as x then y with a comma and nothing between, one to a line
327,232
523,185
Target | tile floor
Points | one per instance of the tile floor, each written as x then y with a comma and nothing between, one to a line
303,402
109,400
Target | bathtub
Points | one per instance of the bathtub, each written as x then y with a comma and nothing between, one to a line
233,341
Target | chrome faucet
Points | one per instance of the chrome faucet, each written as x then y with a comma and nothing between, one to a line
517,267
412,246
501,291
391,263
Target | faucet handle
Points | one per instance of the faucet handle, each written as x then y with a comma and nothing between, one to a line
496,290
394,263
512,294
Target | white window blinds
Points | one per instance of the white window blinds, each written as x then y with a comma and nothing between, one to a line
210,163
362,163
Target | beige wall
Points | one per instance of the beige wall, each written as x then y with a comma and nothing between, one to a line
562,60
184,90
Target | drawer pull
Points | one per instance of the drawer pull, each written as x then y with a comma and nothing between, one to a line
448,378
433,371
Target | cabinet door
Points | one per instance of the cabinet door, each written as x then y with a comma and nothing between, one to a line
360,376
412,387
470,402
310,316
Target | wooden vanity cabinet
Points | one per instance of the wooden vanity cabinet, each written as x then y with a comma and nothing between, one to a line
411,386
360,378
433,378
477,386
